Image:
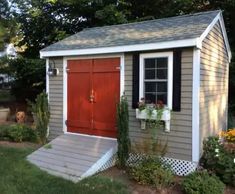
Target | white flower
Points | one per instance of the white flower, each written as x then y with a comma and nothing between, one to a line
216,150
233,160
217,155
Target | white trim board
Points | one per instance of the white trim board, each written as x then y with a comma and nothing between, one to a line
121,49
169,55
47,78
65,78
47,90
196,106
65,108
218,18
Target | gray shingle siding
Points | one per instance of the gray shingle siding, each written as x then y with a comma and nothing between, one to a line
152,31
213,84
56,101
180,136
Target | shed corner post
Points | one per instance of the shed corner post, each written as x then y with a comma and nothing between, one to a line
65,94
196,106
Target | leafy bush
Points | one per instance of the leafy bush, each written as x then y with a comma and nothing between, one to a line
123,132
41,110
202,183
3,132
29,77
18,133
152,172
219,159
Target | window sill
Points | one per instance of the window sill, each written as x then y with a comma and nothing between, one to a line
143,116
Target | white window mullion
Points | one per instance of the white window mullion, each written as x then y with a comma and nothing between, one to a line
169,80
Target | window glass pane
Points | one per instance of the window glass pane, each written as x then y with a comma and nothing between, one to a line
162,87
162,74
150,74
149,63
150,97
162,97
150,87
162,62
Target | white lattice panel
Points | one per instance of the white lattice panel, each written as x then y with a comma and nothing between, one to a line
179,167
111,162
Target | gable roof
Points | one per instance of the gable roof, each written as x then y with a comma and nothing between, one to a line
182,31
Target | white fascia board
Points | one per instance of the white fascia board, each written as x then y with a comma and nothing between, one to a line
219,18
120,49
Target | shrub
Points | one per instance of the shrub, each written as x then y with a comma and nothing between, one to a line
202,183
29,77
152,172
123,132
18,133
41,110
3,132
219,158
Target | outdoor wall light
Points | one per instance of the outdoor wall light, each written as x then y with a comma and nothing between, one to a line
52,70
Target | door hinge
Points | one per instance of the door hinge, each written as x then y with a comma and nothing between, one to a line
66,122
67,70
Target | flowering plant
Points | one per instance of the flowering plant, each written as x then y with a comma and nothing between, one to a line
229,135
142,105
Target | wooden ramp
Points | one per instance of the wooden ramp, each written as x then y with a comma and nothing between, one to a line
75,157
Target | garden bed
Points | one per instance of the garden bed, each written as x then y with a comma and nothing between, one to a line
135,188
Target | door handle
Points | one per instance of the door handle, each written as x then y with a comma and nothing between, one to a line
92,96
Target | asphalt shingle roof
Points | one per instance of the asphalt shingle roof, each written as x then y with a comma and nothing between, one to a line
151,31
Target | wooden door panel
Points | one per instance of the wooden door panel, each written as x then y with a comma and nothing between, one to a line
102,77
106,84
79,86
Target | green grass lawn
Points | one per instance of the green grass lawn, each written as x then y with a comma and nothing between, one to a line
17,176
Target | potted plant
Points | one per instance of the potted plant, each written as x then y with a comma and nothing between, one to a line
4,112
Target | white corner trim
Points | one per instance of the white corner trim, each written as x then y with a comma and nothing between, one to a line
65,108
47,78
121,49
105,158
219,18
169,55
47,90
122,74
196,106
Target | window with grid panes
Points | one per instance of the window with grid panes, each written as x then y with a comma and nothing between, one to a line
155,79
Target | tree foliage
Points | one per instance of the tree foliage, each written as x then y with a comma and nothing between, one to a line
28,77
43,22
7,23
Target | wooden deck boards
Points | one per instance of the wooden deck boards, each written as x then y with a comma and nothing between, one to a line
74,156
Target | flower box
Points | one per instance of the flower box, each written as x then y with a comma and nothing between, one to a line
143,115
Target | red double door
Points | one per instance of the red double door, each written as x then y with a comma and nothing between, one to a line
93,93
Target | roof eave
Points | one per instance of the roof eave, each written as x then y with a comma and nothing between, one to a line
125,48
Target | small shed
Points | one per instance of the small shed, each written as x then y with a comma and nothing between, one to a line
182,61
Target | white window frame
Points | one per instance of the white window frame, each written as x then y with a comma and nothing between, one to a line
169,55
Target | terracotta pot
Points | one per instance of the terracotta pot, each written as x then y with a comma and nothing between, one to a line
4,112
